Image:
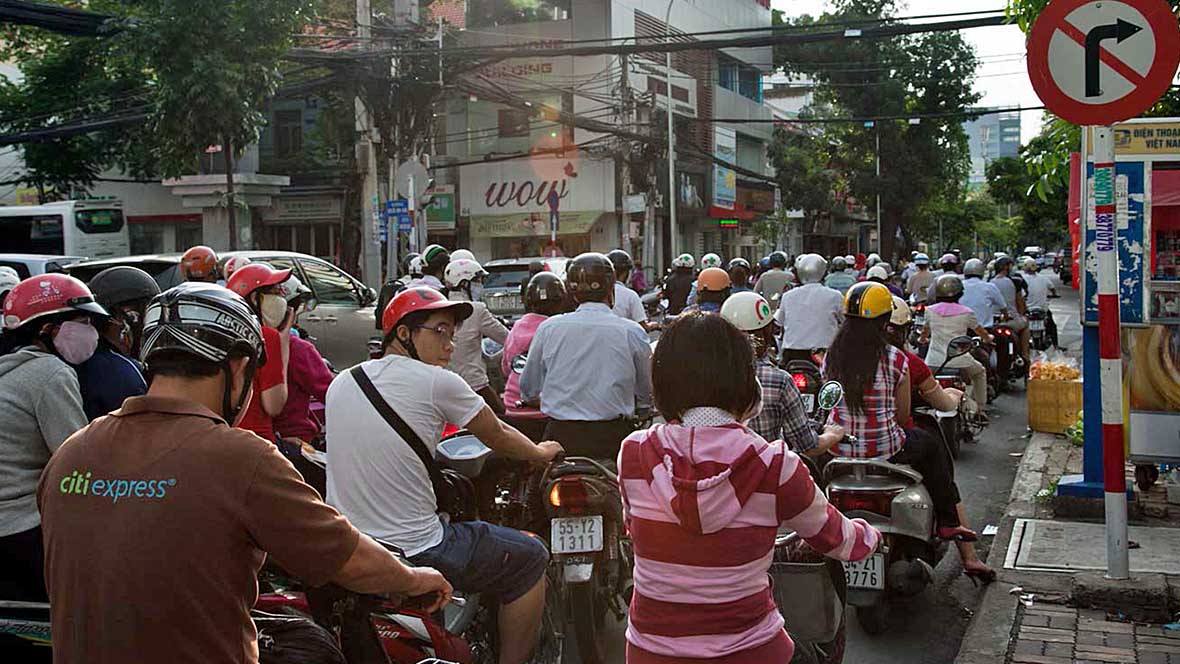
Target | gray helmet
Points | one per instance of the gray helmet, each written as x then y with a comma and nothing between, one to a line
974,268
811,268
872,260
839,264
948,287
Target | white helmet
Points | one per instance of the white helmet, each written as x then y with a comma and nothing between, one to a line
887,266
233,264
1029,263
462,254
747,310
461,271
710,260
999,254
921,259
811,268
974,268
877,272
872,260
416,266
292,288
8,278
851,260
684,260
901,312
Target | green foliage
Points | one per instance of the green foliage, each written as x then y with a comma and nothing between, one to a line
923,164
1036,185
806,177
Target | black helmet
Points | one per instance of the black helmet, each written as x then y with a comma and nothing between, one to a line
122,284
590,276
621,260
1002,263
209,322
778,259
407,259
948,287
435,257
545,294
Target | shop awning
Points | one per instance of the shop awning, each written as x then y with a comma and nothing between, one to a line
738,212
533,224
1165,188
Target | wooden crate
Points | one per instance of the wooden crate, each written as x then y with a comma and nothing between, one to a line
1053,405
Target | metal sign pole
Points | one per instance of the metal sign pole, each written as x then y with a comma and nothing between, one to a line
1110,354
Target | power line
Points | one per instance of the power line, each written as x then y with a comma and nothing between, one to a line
965,113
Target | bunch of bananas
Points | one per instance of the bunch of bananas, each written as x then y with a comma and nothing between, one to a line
1155,368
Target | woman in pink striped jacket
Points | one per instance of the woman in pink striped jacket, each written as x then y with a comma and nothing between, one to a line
704,497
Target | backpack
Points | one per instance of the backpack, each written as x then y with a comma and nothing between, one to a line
284,639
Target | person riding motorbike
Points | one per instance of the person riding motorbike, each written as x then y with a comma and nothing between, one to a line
982,297
739,274
627,303
774,282
838,278
726,490
545,297
876,404
946,319
434,263
925,388
199,263
1040,289
1014,300
308,376
870,261
707,261
464,279
411,269
112,374
809,315
377,479
47,325
260,285
783,415
918,283
142,474
880,274
590,369
227,265
712,288
679,283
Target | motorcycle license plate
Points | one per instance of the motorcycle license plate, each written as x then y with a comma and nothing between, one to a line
808,401
867,573
1036,325
581,534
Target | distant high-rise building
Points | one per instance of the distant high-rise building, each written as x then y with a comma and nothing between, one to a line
991,137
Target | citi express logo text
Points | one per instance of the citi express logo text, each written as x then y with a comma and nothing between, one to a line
80,483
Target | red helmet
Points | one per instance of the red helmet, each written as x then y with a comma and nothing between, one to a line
249,278
199,262
47,294
421,298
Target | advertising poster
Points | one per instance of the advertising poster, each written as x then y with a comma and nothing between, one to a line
1134,264
724,179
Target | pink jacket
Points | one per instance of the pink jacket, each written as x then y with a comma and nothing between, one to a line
520,337
703,505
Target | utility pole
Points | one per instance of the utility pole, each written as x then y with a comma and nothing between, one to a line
880,240
675,236
624,163
366,157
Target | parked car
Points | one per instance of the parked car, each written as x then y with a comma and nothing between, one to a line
343,317
502,286
28,265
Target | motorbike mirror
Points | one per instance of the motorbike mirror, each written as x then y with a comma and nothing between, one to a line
831,394
960,346
310,304
519,362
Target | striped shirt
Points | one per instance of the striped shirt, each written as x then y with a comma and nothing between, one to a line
875,426
704,500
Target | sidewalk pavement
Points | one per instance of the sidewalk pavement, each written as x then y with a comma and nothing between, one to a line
1051,617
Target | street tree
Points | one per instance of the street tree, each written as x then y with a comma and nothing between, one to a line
915,75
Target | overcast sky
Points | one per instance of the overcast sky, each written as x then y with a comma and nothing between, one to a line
1001,78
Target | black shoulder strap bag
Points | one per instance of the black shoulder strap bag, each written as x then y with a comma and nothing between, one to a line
444,491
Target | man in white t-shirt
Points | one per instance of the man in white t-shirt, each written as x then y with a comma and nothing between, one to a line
380,484
627,303
1040,289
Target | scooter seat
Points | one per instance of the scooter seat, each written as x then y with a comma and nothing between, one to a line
861,468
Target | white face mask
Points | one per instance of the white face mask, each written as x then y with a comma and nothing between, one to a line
75,341
274,310
476,292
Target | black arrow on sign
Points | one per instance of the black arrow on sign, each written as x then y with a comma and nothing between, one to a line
1120,30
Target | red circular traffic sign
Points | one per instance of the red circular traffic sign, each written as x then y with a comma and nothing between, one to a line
1096,62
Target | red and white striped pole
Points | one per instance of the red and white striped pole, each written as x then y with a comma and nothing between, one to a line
1110,354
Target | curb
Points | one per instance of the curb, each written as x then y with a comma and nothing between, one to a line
987,638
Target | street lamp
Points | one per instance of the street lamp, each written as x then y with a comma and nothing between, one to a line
671,134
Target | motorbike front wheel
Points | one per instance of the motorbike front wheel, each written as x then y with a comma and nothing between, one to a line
589,615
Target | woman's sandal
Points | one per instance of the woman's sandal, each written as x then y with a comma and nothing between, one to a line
980,576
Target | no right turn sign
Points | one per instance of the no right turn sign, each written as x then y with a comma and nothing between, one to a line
1095,62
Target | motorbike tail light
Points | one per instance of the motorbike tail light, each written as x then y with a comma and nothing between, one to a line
569,493
1004,331
800,380
946,381
877,502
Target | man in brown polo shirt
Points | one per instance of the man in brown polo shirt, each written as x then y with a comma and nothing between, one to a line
157,518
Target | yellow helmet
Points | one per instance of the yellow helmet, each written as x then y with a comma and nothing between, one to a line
868,299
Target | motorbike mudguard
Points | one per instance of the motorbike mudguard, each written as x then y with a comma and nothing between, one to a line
864,596
577,570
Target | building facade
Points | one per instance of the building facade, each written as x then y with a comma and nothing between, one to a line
991,137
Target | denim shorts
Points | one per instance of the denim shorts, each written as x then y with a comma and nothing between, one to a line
480,557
